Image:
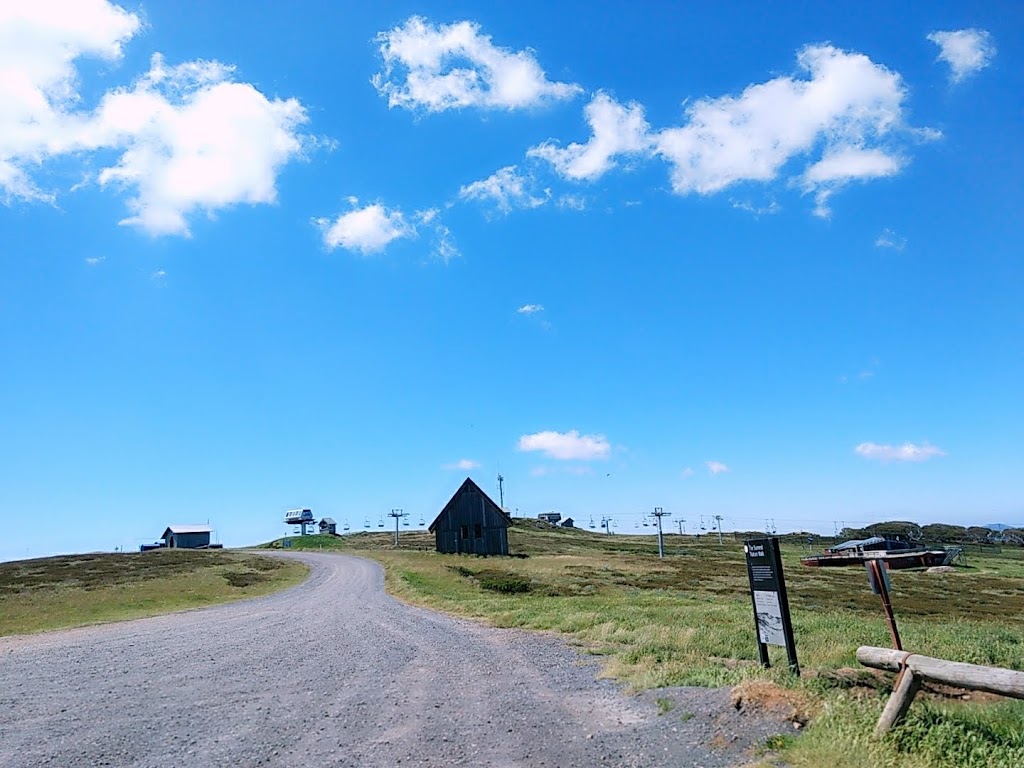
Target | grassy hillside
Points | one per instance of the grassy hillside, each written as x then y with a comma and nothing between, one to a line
314,541
687,620
58,592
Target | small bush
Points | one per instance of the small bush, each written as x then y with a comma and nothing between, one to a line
243,578
507,583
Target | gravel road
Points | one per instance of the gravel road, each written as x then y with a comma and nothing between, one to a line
336,673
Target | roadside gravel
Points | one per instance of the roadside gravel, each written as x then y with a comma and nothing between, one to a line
336,673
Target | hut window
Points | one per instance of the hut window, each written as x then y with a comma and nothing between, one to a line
478,531
464,531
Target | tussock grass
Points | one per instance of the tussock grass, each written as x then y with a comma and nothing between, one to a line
59,592
687,620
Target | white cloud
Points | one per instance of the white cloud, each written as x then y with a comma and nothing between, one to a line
572,202
688,472
444,244
190,138
616,130
566,445
905,452
530,309
745,205
451,66
716,467
846,109
94,261
889,239
463,464
367,230
851,163
506,187
196,140
966,51
423,217
39,43
159,275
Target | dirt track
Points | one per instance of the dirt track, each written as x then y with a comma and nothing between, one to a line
335,672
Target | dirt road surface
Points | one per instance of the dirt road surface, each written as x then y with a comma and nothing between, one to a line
336,673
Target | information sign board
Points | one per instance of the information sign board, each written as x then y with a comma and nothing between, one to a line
768,594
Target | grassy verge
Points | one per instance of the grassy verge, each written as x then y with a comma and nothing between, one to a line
312,541
686,620
58,592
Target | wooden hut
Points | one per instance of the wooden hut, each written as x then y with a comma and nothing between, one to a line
187,536
471,523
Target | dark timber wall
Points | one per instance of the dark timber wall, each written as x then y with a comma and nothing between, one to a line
188,540
471,524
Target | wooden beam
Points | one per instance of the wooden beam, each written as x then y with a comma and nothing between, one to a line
914,668
1004,682
896,708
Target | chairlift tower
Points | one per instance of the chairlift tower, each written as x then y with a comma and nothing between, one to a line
398,515
718,524
657,514
501,490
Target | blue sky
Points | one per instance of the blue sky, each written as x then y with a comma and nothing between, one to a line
733,260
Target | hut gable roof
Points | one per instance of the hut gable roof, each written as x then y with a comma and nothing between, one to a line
469,485
187,529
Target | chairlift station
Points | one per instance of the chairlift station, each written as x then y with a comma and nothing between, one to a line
299,517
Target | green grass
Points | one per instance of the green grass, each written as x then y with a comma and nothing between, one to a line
686,620
59,592
316,541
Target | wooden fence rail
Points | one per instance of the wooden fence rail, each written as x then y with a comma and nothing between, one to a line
914,669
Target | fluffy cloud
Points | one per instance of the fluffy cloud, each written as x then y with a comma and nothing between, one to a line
507,188
846,109
716,467
39,43
905,452
966,51
368,230
566,445
463,464
195,140
615,130
189,138
530,309
451,66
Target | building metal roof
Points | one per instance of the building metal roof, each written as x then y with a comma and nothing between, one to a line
188,529
328,521
854,543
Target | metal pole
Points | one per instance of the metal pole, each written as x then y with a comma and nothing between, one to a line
718,522
658,514
398,514
890,619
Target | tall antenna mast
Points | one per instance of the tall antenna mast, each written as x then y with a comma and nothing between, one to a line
501,489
